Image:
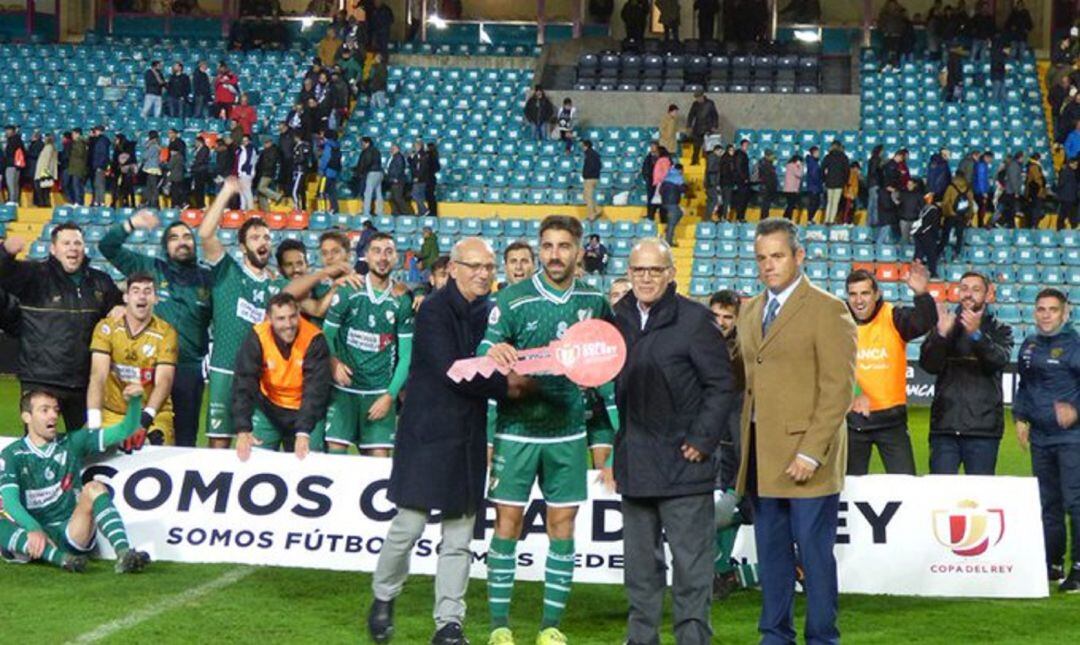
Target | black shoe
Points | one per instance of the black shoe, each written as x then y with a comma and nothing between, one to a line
380,620
1072,582
1055,572
723,584
450,634
74,563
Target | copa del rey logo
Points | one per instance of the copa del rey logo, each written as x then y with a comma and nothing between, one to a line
969,530
569,356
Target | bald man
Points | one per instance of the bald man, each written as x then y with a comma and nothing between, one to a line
439,461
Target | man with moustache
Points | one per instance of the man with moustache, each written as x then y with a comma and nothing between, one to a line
183,301
967,353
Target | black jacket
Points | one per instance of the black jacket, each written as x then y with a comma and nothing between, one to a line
676,388
742,168
178,86
591,168
539,110
910,323
967,393
201,85
10,315
440,451
767,177
835,168
647,165
702,117
370,161
267,165
153,83
395,170
247,393
201,163
58,317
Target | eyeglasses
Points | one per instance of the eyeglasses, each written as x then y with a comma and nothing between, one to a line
652,272
477,266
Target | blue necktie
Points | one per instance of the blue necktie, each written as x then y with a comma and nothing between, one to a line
770,316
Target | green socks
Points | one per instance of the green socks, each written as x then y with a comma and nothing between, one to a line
14,539
725,543
109,523
558,573
502,562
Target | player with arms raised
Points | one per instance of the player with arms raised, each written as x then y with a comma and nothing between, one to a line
542,436
48,513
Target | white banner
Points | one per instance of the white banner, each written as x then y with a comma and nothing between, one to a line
934,535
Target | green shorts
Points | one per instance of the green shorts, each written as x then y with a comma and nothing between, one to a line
561,467
219,423
347,422
601,437
58,535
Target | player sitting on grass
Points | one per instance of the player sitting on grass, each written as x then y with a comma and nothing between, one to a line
48,513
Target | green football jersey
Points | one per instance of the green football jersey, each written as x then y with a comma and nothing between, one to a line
366,328
317,293
49,479
531,314
239,299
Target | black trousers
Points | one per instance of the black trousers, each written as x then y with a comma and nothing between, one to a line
72,402
399,205
792,204
1067,213
187,393
766,200
200,182
950,225
893,444
927,251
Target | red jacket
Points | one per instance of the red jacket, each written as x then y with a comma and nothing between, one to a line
245,117
226,88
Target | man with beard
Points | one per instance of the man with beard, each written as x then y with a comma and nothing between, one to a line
369,330
137,348
183,301
878,416
62,299
240,293
967,353
317,288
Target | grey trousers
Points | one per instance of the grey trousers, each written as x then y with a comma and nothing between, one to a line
99,186
688,524
452,571
11,178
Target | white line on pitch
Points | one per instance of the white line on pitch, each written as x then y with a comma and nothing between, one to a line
165,604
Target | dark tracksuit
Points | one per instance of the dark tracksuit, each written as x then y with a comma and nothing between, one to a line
1049,368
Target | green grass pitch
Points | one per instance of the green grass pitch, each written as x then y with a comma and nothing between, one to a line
185,603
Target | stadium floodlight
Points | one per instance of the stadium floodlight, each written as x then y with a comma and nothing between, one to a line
436,21
808,35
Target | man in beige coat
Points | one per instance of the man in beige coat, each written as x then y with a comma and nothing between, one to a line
798,346
669,131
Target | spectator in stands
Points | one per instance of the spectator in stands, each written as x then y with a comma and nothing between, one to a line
1059,94
984,189
429,249
660,170
1034,191
835,171
1045,411
669,130
912,203
369,170
418,168
768,183
998,56
46,172
873,187
14,162
596,255
1068,193
967,354
815,184
177,91
330,169
966,167
125,168
938,174
377,82
908,40
200,173
590,177
151,167
565,122
75,175
100,155
380,19
328,48
707,11
397,179
266,174
539,112
713,195
702,119
890,23
224,159
1013,189
61,300
934,30
726,167
33,150
432,179
982,30
301,166
670,19
178,180
893,183
672,190
226,89
635,16
153,86
793,176
957,205
1070,116
202,92
954,76
352,69
926,233
740,197
851,194
647,176
1017,27
244,114
878,415
247,158
1072,143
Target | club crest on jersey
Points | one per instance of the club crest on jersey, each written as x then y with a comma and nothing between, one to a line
105,329
390,317
493,317
582,315
148,350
